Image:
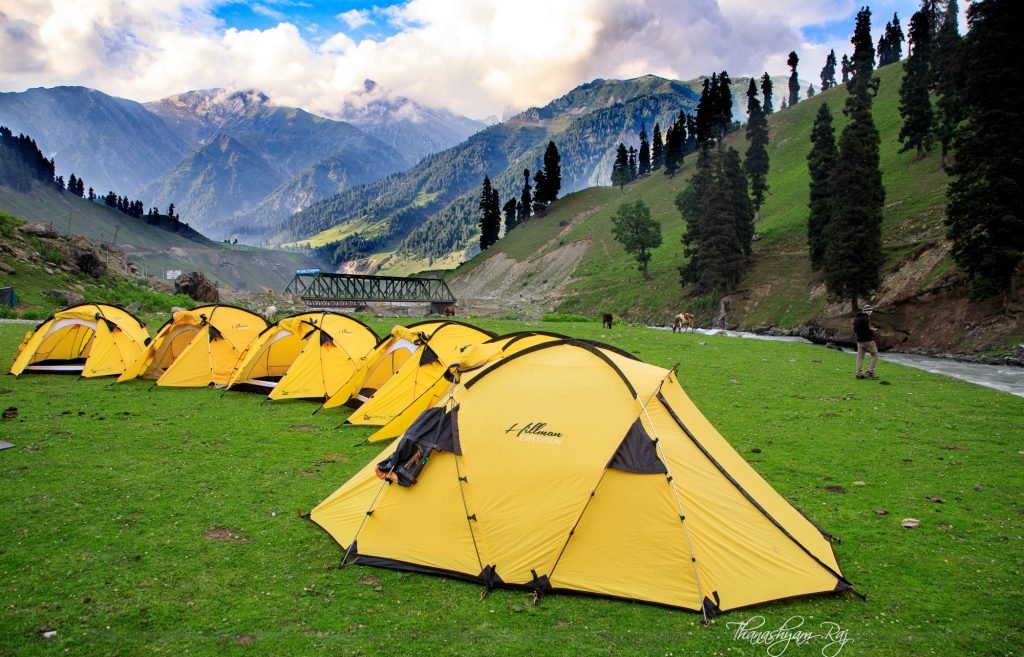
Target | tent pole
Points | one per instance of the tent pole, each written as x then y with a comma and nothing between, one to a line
679,503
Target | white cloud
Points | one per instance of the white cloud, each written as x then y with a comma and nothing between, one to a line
355,18
476,58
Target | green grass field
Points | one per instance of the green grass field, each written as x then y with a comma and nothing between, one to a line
166,521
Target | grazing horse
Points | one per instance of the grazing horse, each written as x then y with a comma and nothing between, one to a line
683,321
449,310
606,320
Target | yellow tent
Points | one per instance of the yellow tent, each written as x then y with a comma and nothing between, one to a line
569,467
382,363
471,362
309,355
436,352
91,339
197,347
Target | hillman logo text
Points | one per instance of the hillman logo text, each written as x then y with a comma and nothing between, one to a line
535,432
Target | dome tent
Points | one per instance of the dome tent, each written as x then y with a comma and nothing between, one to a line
517,481
197,347
305,356
90,339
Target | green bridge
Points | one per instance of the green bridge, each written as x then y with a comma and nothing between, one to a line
319,289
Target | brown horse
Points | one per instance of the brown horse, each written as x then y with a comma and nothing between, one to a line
606,320
683,321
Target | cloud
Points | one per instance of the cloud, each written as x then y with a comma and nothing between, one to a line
355,18
475,58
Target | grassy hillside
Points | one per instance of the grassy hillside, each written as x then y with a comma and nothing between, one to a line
154,250
165,521
779,289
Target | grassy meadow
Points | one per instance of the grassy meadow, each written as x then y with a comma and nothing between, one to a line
138,521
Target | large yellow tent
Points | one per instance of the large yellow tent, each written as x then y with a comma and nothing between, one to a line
197,347
305,356
570,467
435,353
91,339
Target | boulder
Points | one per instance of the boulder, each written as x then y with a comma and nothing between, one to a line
39,230
65,297
6,268
82,255
196,285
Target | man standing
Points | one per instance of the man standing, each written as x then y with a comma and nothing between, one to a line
865,334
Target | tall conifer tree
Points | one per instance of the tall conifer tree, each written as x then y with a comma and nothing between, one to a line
757,163
854,252
657,149
828,72
620,169
794,78
767,92
985,199
915,101
821,163
643,158
525,199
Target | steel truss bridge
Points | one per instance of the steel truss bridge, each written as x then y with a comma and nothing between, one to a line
321,289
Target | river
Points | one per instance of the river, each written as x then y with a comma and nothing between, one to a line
1007,378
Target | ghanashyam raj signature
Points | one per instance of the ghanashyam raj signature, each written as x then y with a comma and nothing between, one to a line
791,632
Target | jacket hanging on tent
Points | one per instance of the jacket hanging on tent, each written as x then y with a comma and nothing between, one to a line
569,467
91,339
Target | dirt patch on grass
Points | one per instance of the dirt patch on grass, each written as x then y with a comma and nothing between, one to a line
224,535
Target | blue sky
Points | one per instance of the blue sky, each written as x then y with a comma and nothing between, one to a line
475,57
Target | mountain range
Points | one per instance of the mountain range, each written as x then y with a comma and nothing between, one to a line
230,161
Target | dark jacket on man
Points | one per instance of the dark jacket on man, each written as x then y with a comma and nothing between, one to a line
862,327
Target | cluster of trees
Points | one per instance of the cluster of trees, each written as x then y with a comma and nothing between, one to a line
844,228
532,200
21,161
890,44
722,200
985,200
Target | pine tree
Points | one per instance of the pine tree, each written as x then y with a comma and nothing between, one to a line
633,227
510,211
525,199
73,184
723,106
59,182
785,103
92,194
794,79
756,164
821,163
846,68
853,260
896,38
719,222
657,149
80,189
675,145
552,172
643,159
985,201
632,164
915,101
170,209
810,91
490,217
767,91
620,169
828,72
540,188
948,78
705,111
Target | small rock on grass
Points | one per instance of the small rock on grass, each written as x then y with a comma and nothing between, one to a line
881,512
911,523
